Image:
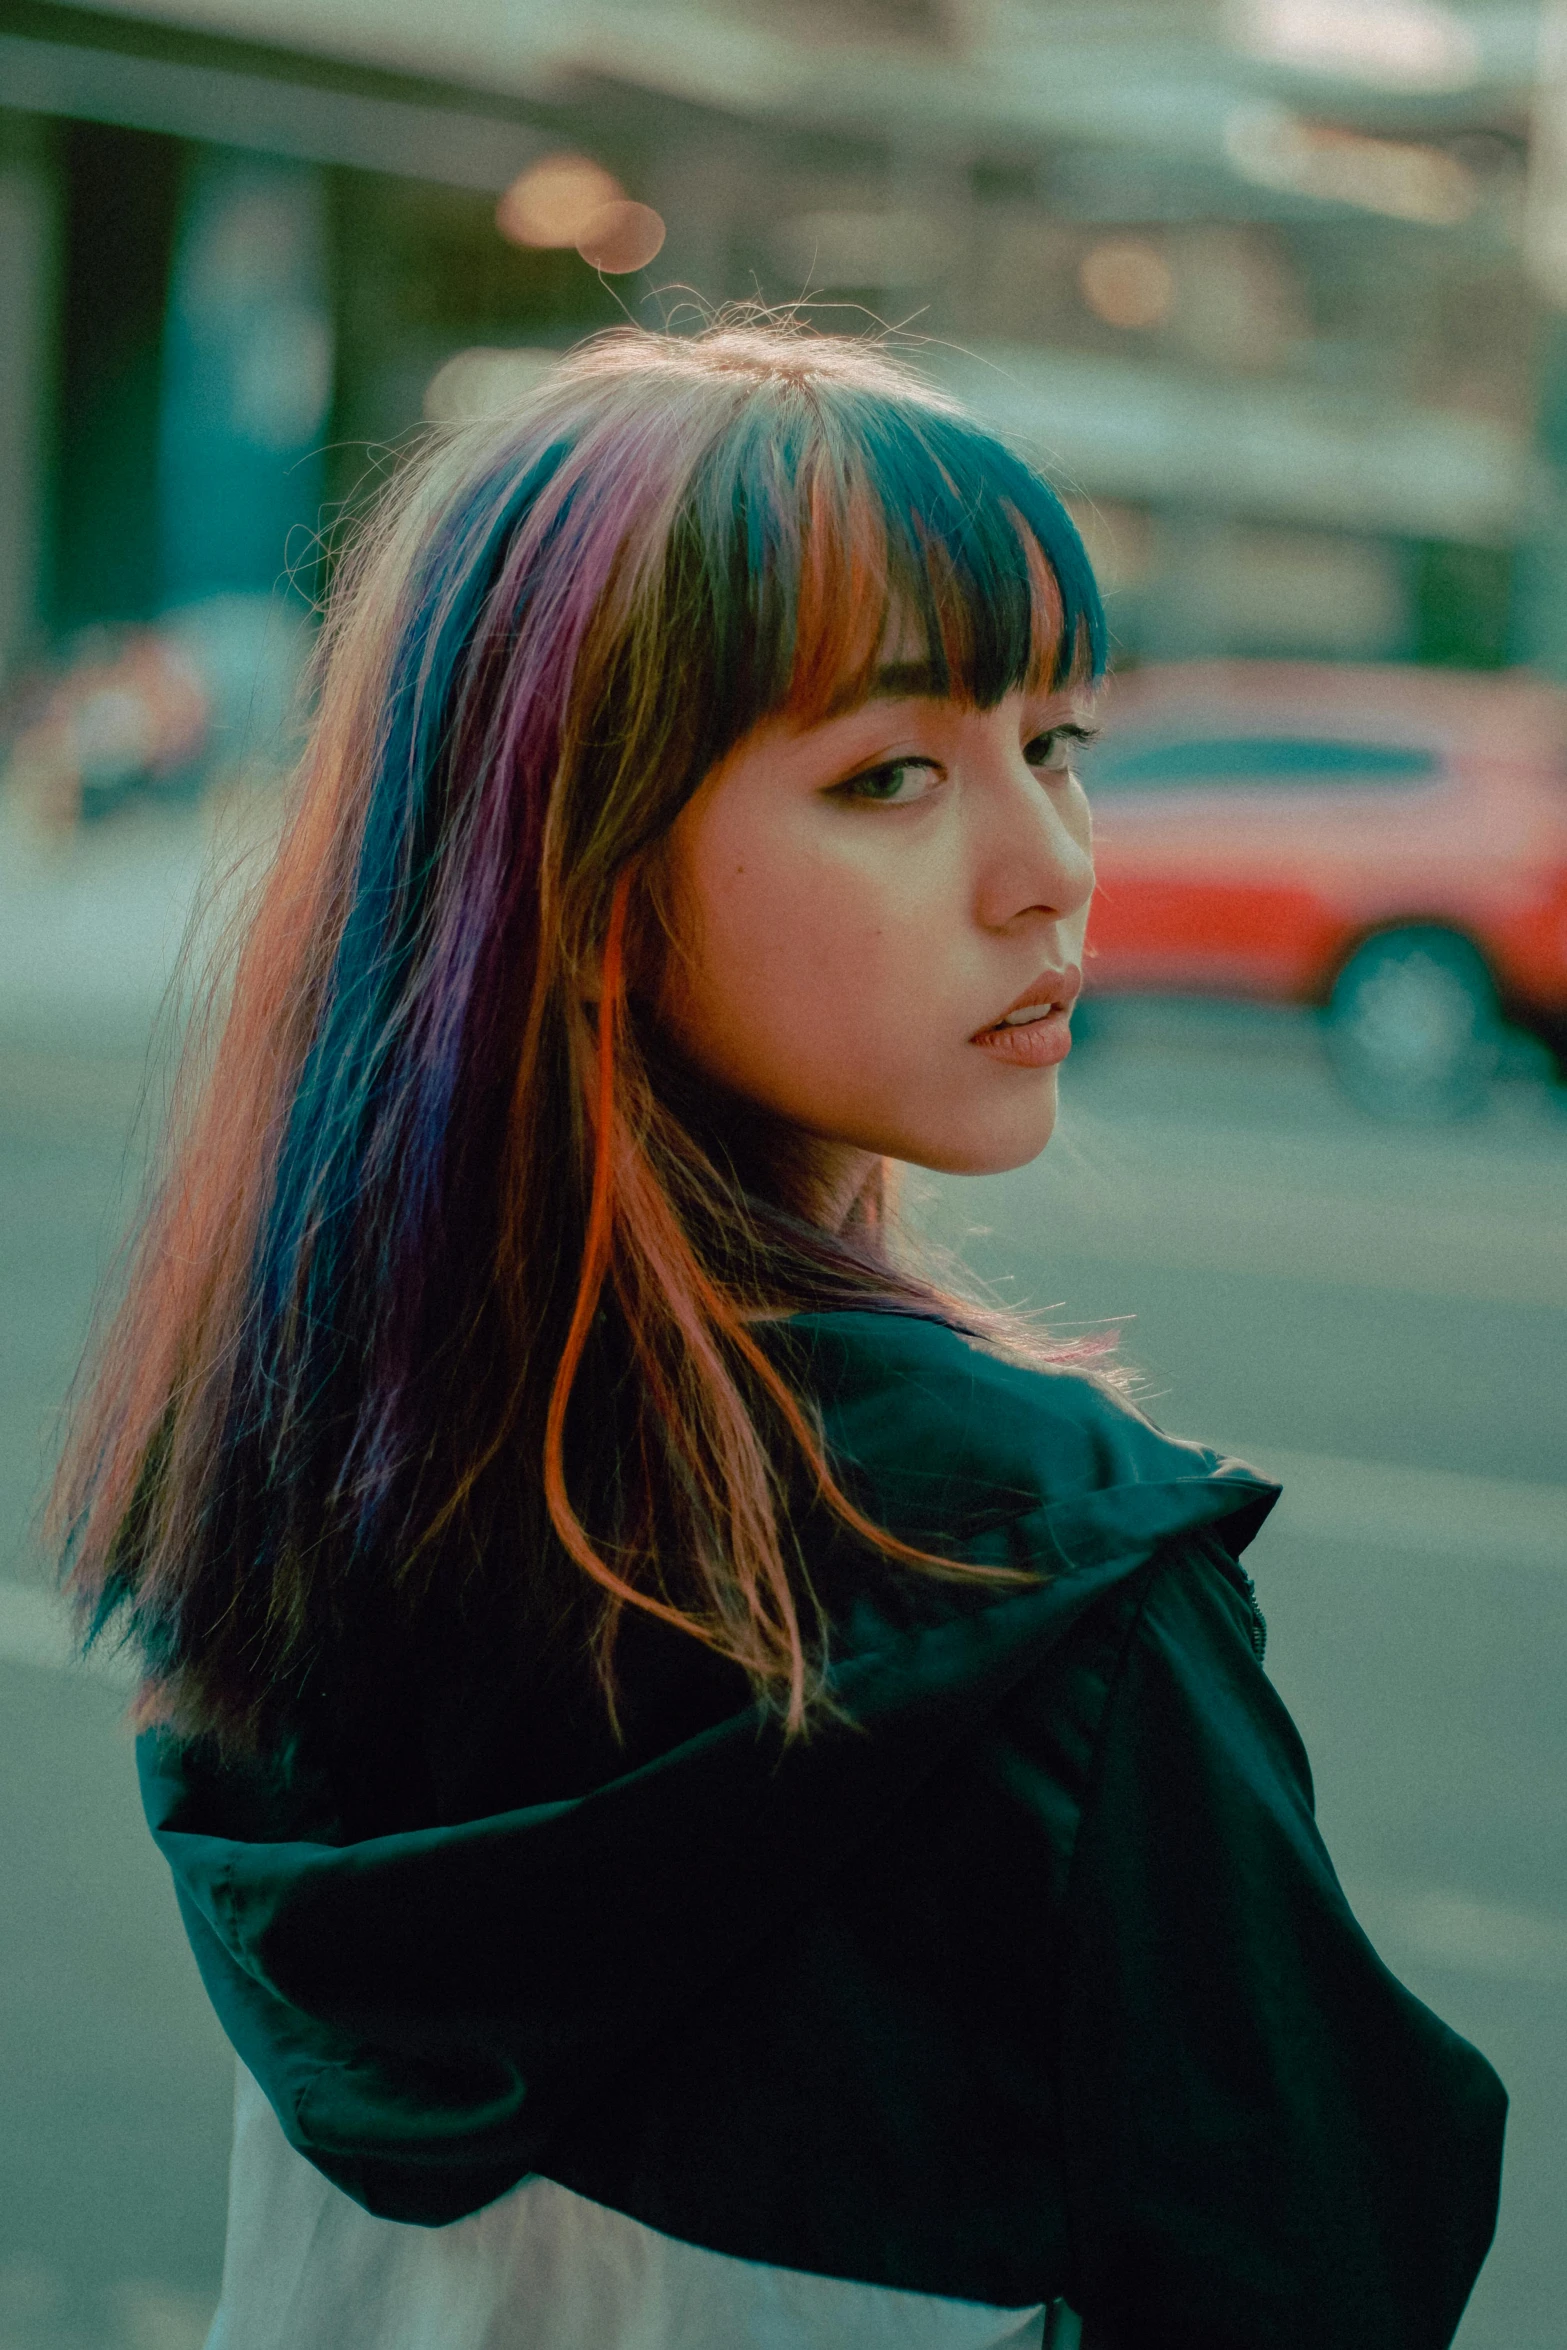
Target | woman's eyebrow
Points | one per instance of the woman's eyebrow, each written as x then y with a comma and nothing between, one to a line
899,681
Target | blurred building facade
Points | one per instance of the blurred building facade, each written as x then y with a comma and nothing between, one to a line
1258,279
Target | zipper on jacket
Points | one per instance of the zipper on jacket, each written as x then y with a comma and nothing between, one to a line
1259,1622
1238,1579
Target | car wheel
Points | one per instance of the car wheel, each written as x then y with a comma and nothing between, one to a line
1414,1030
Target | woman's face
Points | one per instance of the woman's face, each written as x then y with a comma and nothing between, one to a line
882,920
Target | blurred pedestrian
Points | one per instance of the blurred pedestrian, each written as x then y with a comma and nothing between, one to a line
723,1792
127,715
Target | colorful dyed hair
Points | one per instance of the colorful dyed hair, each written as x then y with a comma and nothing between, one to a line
452,1289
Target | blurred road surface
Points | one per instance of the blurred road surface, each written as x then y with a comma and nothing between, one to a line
1378,1315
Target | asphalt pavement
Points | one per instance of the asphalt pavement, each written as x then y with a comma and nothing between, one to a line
1375,1314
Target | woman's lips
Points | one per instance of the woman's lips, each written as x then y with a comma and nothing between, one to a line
1033,1044
1036,1031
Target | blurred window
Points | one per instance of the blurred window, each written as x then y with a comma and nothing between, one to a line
1144,762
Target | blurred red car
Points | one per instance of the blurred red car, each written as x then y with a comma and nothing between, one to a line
1387,844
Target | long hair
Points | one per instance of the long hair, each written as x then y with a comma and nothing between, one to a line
454,1276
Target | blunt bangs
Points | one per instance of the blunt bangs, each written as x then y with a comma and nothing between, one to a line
835,527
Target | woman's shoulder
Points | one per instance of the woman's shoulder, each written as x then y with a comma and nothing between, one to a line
959,1446
949,1431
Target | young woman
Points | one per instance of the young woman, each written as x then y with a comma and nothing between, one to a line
722,1796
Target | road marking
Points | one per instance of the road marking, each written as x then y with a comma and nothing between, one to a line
1442,1513
1454,1931
1298,1236
35,1630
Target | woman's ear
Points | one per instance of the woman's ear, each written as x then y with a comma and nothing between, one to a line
642,938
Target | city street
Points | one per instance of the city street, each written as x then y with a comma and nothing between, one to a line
1379,1315
635,314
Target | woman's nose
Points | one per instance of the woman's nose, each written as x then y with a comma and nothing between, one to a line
1039,859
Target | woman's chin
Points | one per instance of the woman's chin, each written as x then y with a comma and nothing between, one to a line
993,1146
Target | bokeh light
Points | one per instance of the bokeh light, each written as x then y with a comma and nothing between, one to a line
551,203
1406,181
484,382
621,236
1127,282
1399,44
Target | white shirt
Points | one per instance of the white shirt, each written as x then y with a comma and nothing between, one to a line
305,2268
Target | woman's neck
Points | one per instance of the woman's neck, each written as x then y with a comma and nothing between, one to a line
837,1178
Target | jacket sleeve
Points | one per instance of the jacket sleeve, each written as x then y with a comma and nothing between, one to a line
1269,2141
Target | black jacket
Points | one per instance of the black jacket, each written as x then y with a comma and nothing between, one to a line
1028,1977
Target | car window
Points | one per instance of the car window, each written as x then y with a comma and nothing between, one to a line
1144,762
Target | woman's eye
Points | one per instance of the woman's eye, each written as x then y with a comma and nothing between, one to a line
897,784
1055,750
